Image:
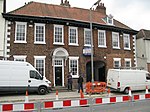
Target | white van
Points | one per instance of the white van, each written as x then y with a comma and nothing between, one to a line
18,76
123,79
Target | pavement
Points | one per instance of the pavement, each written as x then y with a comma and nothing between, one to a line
50,96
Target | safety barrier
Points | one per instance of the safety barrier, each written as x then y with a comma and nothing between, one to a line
96,87
64,103
70,103
18,107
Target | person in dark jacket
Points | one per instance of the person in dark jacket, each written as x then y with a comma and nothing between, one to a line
80,83
69,77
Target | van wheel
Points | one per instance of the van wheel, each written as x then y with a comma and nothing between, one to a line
42,90
126,91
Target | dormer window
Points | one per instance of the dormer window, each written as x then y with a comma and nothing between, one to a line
110,20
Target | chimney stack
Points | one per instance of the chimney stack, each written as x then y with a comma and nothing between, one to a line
66,3
101,8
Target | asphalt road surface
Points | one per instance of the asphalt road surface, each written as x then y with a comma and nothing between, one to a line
138,106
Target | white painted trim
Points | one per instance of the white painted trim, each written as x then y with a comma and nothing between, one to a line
39,42
21,23
57,43
76,28
102,31
42,58
74,58
118,47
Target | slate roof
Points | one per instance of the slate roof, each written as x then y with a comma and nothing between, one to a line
58,11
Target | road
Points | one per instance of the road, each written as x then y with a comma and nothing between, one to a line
7,98
138,106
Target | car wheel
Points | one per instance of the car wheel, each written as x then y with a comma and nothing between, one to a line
42,90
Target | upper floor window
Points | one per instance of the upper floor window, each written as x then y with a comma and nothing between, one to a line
20,32
19,58
101,38
87,37
39,33
39,62
115,40
117,62
73,66
58,34
73,36
126,39
127,63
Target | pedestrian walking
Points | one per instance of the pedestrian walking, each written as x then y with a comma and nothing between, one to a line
80,83
69,77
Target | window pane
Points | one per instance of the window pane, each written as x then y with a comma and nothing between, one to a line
40,66
20,32
58,34
87,37
73,35
73,66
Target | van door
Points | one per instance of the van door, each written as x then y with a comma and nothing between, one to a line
148,80
34,81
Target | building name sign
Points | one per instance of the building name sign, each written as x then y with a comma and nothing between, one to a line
87,51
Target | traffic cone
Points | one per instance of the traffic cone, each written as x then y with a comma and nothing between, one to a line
56,94
81,94
26,97
146,90
108,92
130,94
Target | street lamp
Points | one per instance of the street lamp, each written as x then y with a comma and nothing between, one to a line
92,70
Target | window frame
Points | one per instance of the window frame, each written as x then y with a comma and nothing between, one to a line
75,28
126,35
62,35
25,32
85,44
116,59
40,58
118,41
127,60
104,38
39,42
70,69
20,58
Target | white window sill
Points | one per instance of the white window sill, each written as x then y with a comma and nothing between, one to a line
116,48
58,43
74,44
127,49
20,42
39,43
102,46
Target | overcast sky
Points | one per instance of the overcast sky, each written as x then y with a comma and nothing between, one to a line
133,13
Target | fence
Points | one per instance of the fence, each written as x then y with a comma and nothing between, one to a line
39,106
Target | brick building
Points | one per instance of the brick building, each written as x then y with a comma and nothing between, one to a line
56,39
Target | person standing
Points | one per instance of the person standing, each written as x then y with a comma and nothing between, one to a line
80,83
69,81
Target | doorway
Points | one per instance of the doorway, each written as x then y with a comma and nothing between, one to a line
58,76
99,69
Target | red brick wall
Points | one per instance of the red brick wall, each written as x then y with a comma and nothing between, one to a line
30,49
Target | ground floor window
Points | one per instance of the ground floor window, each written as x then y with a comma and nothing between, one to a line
127,62
19,58
73,66
39,64
117,62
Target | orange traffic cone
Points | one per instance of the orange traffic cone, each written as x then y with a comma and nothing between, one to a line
146,90
56,94
130,94
81,94
108,92
26,97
